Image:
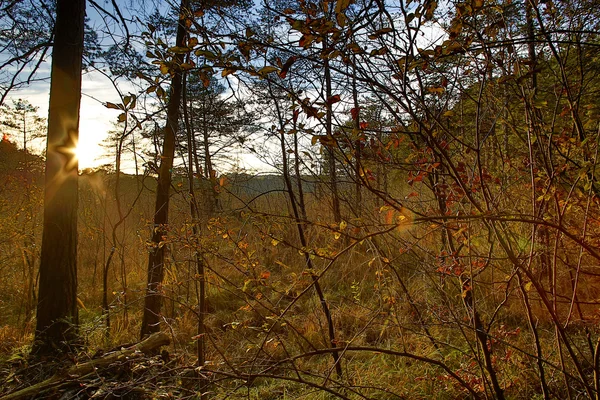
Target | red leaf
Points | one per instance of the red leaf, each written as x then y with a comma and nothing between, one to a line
286,67
354,112
310,111
305,40
363,125
333,99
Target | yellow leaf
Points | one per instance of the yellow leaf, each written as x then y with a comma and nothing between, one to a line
528,286
341,19
274,242
267,70
337,235
80,303
228,71
343,225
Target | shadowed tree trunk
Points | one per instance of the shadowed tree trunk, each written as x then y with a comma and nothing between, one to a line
57,301
152,301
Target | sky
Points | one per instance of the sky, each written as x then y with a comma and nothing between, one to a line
96,120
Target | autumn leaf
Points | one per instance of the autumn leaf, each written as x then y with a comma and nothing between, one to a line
205,79
430,9
113,106
286,67
310,111
164,68
380,32
436,89
209,55
179,50
228,71
265,275
80,303
334,99
341,19
355,48
341,5
264,71
389,217
305,40
355,112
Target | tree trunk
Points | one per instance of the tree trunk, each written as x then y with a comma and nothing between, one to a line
57,305
152,301
333,180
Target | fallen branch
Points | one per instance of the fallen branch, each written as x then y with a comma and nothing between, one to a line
79,370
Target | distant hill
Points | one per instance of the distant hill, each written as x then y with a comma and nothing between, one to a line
16,162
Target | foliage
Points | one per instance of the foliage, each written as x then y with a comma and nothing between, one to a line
431,230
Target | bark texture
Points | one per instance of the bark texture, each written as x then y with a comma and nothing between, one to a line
156,257
57,318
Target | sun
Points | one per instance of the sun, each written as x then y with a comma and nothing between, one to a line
87,153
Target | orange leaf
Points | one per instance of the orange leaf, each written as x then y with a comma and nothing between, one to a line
389,217
265,275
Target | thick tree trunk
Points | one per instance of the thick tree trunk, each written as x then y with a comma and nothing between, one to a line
152,301
57,305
